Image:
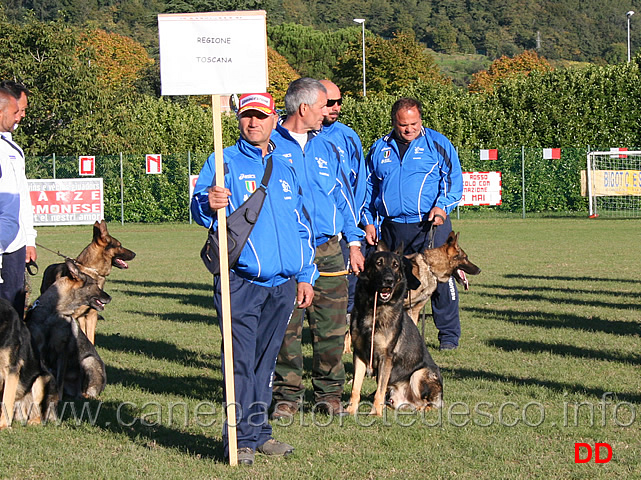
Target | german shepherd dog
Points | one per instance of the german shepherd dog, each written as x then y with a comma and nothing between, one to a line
64,348
406,375
103,253
437,265
26,384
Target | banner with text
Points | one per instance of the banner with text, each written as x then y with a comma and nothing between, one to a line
67,201
213,53
481,188
616,182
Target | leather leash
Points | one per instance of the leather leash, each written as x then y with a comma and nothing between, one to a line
371,351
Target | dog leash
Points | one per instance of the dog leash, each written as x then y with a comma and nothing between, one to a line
371,351
65,257
56,253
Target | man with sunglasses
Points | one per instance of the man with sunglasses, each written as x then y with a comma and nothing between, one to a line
353,163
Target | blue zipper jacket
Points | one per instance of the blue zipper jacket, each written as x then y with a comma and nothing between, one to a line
351,149
406,189
281,245
326,192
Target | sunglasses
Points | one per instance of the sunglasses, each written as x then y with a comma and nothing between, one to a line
331,103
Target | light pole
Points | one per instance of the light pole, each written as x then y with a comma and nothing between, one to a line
362,22
629,14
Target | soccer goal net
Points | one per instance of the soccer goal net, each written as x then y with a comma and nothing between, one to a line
614,183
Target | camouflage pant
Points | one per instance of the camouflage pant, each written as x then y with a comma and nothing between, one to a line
326,317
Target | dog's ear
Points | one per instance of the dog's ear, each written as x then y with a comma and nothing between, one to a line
100,233
96,231
381,246
400,249
103,228
452,239
74,271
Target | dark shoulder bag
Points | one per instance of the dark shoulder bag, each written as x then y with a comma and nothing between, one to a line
239,226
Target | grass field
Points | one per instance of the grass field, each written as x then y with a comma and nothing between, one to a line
549,327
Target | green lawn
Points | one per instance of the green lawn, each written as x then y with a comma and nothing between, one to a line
549,326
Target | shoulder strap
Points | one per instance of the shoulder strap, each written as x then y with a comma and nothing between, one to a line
268,172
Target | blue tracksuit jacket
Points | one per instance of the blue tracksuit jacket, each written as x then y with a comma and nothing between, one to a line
326,192
281,244
406,189
352,160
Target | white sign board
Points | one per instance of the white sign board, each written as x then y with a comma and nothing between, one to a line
481,188
67,201
213,53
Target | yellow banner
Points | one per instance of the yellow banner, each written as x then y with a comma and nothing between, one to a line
616,182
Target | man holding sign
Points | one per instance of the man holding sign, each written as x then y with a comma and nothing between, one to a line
275,269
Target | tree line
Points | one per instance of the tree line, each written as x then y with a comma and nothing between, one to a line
589,30
96,92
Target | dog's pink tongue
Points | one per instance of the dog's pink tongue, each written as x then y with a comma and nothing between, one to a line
463,278
122,263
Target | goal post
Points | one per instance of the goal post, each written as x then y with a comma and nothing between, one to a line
614,183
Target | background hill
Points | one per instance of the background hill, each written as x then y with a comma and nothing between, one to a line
587,30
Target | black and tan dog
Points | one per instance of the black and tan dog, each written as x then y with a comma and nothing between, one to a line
28,389
103,253
437,265
405,373
64,348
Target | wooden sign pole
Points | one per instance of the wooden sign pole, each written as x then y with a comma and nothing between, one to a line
230,393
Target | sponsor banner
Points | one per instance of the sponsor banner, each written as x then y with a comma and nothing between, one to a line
551,153
67,201
616,182
491,154
481,188
213,53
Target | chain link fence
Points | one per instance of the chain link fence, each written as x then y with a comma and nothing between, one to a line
530,183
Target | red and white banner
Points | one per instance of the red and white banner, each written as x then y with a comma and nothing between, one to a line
86,165
618,152
551,153
481,188
154,164
67,201
491,154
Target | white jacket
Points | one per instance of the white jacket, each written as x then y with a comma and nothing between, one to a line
14,164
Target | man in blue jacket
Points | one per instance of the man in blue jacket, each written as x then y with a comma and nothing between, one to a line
414,182
328,198
352,161
263,282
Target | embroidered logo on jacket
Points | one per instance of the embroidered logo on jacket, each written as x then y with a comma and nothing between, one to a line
243,176
250,185
321,163
286,189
